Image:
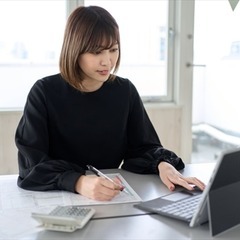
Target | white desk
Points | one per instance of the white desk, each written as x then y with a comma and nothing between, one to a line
132,227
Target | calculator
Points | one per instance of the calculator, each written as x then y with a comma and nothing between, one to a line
65,218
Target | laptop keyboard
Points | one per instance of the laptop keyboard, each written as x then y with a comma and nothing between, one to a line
183,209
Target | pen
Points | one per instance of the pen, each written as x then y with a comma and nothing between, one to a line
100,174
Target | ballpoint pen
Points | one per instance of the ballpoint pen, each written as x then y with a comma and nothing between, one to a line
100,174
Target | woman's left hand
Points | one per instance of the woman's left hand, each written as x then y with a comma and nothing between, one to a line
172,177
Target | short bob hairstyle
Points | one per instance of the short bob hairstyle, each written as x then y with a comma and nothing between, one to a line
88,29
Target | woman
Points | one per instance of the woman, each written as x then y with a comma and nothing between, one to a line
86,115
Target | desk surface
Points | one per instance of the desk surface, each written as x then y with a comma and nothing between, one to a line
148,226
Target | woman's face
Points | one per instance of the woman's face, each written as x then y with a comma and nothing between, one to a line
97,66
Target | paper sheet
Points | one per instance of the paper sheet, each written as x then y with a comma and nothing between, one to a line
16,204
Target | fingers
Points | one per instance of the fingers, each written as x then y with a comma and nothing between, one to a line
194,181
171,177
110,185
119,185
168,183
104,190
96,188
186,182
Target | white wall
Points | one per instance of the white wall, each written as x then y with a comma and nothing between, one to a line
166,120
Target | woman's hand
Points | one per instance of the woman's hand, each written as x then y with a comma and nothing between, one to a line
171,177
96,188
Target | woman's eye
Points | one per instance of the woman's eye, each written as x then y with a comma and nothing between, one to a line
114,50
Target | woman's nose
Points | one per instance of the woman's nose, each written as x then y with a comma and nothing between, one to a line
106,59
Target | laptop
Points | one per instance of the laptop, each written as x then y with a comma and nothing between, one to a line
218,204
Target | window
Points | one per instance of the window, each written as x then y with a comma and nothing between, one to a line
144,43
32,33
30,42
216,80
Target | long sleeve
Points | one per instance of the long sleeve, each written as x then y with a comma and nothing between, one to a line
37,170
148,162
145,150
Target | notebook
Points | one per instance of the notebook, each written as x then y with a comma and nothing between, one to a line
217,204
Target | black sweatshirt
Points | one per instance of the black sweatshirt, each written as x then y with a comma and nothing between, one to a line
62,130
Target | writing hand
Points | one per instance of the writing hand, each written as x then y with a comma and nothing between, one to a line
96,188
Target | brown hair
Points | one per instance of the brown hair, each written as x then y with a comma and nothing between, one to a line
87,29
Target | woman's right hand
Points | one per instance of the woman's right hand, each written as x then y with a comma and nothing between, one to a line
96,188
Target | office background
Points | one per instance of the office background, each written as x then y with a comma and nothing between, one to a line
196,106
